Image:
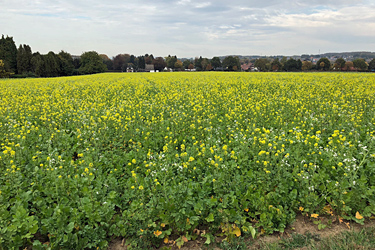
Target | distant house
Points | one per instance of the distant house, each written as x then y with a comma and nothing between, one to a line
149,68
247,67
76,57
129,69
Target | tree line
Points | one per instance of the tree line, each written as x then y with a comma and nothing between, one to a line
22,62
323,64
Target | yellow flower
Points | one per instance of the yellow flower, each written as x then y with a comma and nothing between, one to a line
140,187
314,215
134,161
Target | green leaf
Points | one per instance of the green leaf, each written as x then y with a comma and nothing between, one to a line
210,218
69,228
252,231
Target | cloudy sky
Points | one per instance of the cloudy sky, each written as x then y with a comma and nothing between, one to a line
189,28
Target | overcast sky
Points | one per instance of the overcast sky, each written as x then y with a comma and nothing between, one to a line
189,28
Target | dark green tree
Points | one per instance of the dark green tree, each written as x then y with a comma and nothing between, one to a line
276,65
216,62
37,64
91,63
360,64
323,64
3,72
107,61
186,64
51,65
198,63
66,63
171,61
261,64
231,63
8,53
159,63
371,65
24,56
340,63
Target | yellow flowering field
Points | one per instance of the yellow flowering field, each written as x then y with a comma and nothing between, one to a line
169,157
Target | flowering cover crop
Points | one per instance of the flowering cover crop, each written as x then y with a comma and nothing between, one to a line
84,159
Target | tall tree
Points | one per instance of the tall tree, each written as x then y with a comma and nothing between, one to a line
340,63
91,63
8,53
198,63
51,65
107,61
159,63
120,62
360,64
215,62
141,62
186,64
231,63
323,64
261,64
3,72
371,65
178,65
24,56
306,65
171,61
276,65
37,64
66,63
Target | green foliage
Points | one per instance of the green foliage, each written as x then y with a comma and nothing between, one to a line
232,63
3,73
323,64
149,157
8,53
24,56
360,64
91,63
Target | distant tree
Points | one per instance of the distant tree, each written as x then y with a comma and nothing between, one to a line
191,66
120,62
186,64
24,56
141,62
205,63
209,67
37,64
107,61
306,65
3,72
293,65
91,63
371,65
283,61
323,64
349,66
231,63
66,63
215,62
178,65
198,63
276,65
149,58
261,64
340,63
51,65
8,53
360,64
171,61
159,63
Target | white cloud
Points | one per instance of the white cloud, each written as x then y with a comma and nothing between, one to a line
191,27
